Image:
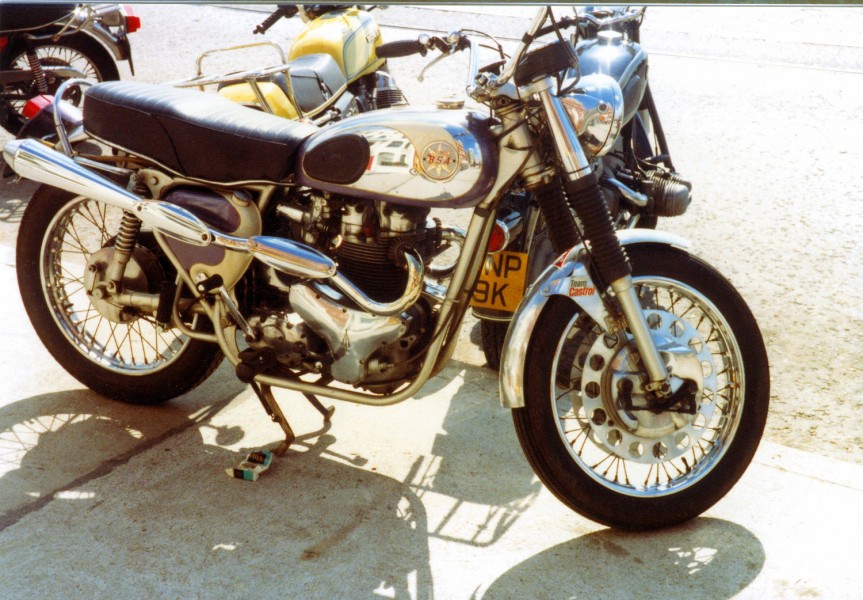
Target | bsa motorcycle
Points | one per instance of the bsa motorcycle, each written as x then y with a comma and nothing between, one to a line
41,46
636,374
637,178
330,72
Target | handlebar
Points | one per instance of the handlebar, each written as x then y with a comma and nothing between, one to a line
284,10
401,48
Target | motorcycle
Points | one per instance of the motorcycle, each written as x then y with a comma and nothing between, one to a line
42,46
330,72
637,178
636,374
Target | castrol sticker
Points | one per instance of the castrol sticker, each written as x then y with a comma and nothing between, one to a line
579,287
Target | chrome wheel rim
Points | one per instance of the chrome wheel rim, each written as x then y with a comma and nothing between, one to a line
133,345
638,452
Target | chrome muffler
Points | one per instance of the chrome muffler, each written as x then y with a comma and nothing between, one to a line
33,160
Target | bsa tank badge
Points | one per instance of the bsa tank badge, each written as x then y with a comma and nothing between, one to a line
439,161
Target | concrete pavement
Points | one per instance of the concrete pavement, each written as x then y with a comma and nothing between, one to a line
432,497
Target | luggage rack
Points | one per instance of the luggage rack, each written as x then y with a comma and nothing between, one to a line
254,77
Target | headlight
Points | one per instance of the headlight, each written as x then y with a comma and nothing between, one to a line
596,112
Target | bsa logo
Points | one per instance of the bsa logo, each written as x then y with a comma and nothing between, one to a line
439,161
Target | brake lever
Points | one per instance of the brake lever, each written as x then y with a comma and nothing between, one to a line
447,47
437,59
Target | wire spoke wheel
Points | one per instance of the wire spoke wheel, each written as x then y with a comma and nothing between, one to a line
78,51
637,451
602,443
113,336
65,247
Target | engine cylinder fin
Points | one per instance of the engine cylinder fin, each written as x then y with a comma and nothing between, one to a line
372,269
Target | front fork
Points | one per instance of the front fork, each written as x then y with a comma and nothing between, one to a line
607,253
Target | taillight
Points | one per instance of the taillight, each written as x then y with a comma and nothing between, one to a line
133,21
36,104
499,238
3,41
505,230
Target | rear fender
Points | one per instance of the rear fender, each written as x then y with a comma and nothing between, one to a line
570,278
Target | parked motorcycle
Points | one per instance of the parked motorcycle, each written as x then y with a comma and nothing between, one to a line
44,45
636,374
330,72
637,178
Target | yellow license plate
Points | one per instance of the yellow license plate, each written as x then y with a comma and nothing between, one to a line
501,282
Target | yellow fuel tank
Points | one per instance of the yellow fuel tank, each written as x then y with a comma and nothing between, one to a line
349,35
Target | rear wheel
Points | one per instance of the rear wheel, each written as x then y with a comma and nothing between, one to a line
78,51
63,243
604,451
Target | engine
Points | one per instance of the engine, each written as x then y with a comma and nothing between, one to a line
658,192
311,327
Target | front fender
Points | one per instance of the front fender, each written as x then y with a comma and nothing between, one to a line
571,279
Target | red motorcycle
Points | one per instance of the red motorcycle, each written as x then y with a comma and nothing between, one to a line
42,46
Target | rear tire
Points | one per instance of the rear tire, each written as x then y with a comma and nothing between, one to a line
77,50
122,355
493,334
635,468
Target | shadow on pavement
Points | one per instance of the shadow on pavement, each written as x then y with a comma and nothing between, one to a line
13,198
705,558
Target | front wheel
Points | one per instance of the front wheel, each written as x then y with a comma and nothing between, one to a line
64,243
587,427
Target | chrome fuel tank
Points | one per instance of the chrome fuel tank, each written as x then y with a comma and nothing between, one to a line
610,54
420,157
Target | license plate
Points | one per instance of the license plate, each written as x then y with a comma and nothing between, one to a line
501,282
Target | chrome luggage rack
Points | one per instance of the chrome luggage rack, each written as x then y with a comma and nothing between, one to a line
253,78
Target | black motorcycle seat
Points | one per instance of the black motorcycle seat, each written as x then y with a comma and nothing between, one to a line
193,133
24,17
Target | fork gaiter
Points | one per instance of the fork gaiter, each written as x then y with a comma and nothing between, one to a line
558,218
609,257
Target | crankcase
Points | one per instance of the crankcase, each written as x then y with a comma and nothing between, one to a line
352,335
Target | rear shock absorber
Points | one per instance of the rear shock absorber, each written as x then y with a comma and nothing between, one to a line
123,247
36,68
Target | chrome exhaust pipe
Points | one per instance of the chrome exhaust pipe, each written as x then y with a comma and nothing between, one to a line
300,260
34,160
412,292
291,257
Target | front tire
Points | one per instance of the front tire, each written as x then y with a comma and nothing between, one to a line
610,458
118,353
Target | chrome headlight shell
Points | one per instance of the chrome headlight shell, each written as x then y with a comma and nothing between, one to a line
596,112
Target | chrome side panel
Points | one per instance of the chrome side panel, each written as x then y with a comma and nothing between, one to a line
565,278
421,157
